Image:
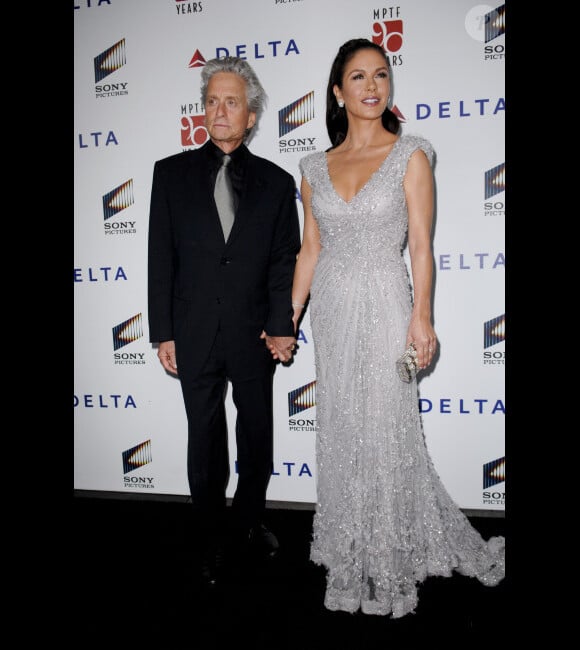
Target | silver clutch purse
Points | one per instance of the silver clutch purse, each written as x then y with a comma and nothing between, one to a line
407,364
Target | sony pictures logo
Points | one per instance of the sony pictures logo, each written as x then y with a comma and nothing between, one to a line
125,333
493,475
107,62
493,334
299,400
292,116
494,184
494,26
135,458
115,201
485,24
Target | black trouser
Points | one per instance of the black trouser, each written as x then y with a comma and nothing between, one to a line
207,449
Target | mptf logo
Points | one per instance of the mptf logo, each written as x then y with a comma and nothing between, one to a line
494,183
184,7
193,131
133,459
493,474
388,33
494,333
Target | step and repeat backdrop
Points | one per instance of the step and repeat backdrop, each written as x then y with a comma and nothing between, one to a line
137,75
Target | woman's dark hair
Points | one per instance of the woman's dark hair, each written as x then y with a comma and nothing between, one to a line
336,120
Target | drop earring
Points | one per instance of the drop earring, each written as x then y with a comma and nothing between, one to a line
340,103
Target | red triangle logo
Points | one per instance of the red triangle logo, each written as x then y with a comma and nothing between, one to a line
398,113
197,60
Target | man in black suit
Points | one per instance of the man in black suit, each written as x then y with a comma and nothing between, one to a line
220,306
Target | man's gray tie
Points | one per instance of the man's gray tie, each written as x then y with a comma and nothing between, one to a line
224,197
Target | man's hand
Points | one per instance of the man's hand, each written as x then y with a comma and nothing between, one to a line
166,354
281,347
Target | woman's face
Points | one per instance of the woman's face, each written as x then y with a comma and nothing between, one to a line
365,84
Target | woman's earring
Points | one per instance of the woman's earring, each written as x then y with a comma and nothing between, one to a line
340,103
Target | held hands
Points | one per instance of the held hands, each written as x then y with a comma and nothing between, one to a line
166,354
281,347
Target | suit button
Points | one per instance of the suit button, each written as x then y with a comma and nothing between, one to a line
225,260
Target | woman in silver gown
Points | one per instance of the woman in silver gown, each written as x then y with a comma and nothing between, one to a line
383,521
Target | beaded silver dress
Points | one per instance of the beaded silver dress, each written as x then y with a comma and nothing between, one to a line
383,521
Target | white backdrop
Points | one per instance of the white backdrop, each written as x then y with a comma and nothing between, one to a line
137,77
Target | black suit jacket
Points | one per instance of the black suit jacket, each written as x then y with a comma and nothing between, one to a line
197,281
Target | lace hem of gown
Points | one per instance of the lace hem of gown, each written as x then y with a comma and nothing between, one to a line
348,590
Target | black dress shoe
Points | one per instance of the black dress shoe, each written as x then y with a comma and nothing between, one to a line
262,541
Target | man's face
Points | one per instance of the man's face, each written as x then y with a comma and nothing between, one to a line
226,110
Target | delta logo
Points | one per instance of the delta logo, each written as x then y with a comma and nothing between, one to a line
397,112
262,50
197,60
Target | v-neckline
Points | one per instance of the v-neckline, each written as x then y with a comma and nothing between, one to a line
367,182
